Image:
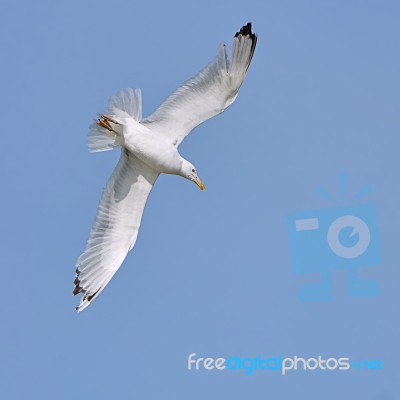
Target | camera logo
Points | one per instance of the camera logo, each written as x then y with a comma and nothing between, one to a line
335,238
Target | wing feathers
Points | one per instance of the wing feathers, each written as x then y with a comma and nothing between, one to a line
209,93
115,228
244,44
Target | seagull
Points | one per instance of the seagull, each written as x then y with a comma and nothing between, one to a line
149,147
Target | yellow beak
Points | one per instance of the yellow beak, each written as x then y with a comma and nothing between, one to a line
199,183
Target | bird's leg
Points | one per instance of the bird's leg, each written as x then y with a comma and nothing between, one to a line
104,122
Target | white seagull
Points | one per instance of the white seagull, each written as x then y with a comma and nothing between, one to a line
149,148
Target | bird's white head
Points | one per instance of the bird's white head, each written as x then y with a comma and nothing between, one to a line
189,171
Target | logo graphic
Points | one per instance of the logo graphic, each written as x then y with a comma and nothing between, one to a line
336,238
280,363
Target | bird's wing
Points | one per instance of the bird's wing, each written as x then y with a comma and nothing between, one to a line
115,228
209,93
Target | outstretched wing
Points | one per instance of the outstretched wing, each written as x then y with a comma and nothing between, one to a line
209,93
115,228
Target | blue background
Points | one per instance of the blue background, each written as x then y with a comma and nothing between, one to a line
211,272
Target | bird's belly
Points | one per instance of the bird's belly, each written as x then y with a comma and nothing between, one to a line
156,153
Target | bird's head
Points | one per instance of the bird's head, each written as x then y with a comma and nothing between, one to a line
189,171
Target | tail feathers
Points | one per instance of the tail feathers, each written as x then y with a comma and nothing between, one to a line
129,101
124,104
101,139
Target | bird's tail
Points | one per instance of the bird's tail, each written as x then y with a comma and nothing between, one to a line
104,133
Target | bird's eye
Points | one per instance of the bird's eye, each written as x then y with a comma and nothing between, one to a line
193,170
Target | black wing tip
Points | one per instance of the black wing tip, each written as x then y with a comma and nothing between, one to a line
77,282
78,288
245,30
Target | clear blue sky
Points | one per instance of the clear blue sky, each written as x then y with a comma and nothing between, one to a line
211,272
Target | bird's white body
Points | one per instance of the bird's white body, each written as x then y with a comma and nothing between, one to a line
149,148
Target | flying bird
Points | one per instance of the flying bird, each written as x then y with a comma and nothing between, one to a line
149,148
